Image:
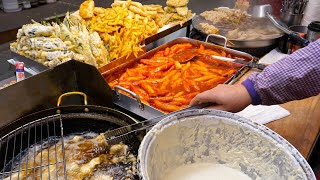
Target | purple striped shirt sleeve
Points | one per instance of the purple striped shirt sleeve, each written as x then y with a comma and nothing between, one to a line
292,78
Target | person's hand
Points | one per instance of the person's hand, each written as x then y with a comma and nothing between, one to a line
232,98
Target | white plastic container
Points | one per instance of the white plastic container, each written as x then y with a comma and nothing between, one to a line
11,6
311,12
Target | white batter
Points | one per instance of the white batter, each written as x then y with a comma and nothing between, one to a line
205,171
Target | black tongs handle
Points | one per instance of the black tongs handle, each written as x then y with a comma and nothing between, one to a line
257,66
122,133
298,39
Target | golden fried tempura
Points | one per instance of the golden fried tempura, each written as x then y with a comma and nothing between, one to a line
87,9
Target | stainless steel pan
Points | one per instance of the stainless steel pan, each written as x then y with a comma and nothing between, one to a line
234,43
134,104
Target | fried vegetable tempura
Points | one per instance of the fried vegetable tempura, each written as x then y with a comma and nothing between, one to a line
176,12
53,44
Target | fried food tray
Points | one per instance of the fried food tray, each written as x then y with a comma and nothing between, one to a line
131,102
164,31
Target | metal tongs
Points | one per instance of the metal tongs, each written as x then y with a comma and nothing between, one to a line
250,64
126,133
191,55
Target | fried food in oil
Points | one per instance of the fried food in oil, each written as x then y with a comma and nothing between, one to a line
84,158
225,15
169,80
243,5
209,29
238,25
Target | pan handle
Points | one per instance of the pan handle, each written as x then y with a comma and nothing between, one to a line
218,36
117,88
73,93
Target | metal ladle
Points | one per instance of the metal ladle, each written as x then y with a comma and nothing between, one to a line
300,40
261,11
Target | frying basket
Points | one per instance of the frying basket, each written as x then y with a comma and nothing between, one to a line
36,148
23,147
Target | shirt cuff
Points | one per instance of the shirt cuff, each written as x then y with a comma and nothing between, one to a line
252,92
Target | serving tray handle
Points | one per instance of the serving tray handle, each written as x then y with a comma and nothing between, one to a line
218,36
117,88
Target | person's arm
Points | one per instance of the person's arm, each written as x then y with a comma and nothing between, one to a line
294,77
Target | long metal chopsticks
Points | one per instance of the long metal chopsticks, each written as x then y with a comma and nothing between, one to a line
294,6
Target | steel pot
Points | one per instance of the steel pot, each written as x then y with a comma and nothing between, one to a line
220,138
236,43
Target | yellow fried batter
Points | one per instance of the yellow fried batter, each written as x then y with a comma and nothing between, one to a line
98,10
176,12
125,25
154,7
137,10
86,9
177,3
182,11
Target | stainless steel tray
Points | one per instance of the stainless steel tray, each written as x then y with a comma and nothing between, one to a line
168,29
34,66
134,104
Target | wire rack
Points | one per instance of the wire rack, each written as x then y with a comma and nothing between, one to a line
34,150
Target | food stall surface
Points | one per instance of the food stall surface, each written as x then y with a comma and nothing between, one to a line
300,128
303,124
